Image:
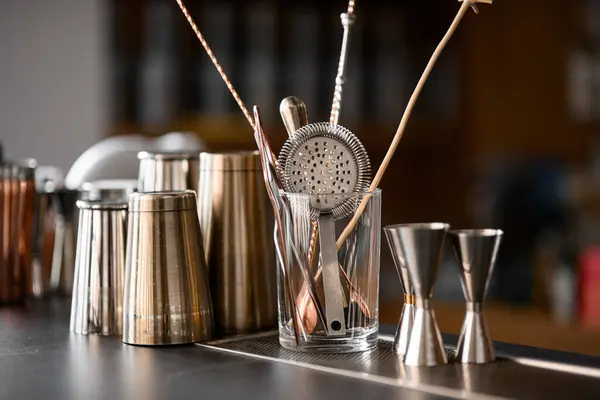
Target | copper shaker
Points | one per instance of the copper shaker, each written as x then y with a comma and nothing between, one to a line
18,208
237,226
166,298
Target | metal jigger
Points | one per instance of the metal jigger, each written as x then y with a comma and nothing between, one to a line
422,246
407,317
475,252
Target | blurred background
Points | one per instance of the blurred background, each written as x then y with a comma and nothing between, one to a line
505,135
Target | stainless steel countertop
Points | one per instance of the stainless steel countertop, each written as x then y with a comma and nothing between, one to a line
40,358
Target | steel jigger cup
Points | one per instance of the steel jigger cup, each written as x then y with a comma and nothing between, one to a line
166,296
407,317
475,252
99,268
423,246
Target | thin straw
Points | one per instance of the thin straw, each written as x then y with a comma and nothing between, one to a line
407,113
218,66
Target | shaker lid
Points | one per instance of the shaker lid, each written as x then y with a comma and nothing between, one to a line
102,205
163,201
111,189
169,155
22,169
230,161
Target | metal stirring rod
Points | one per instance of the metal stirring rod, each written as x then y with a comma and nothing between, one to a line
348,18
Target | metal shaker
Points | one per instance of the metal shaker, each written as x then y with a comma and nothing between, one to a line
11,274
99,268
237,225
109,189
38,283
166,296
18,208
165,171
63,259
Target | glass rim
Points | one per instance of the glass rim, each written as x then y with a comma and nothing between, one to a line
373,193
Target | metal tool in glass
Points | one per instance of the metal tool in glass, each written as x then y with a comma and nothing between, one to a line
407,317
475,252
423,247
319,159
358,265
165,171
293,114
274,187
236,222
96,307
166,297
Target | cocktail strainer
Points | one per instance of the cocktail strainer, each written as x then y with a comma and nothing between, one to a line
322,160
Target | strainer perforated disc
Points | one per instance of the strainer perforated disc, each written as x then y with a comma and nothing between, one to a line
328,162
323,160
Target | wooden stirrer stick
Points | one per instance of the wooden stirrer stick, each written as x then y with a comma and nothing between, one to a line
407,113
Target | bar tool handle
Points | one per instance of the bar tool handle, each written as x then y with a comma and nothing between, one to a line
347,22
334,295
293,113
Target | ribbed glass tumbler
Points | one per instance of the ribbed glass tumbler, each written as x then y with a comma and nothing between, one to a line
328,295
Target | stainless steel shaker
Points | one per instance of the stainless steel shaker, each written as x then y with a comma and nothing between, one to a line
63,259
166,296
165,171
237,226
38,283
109,189
99,268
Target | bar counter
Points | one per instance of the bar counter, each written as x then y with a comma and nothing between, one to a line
40,358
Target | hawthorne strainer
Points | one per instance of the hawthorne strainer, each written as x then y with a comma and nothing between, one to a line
322,160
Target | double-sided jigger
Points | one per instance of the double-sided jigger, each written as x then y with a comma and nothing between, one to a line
475,252
422,246
407,317
99,268
166,297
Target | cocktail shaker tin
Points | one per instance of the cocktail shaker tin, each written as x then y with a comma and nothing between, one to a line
237,228
165,171
97,302
166,296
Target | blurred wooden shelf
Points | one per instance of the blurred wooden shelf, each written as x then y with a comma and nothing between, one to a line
233,131
520,326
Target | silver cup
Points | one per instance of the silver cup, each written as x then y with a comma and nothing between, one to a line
167,171
97,302
422,246
109,190
166,294
237,224
407,317
475,252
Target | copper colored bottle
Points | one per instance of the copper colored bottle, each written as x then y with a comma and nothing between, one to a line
17,195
